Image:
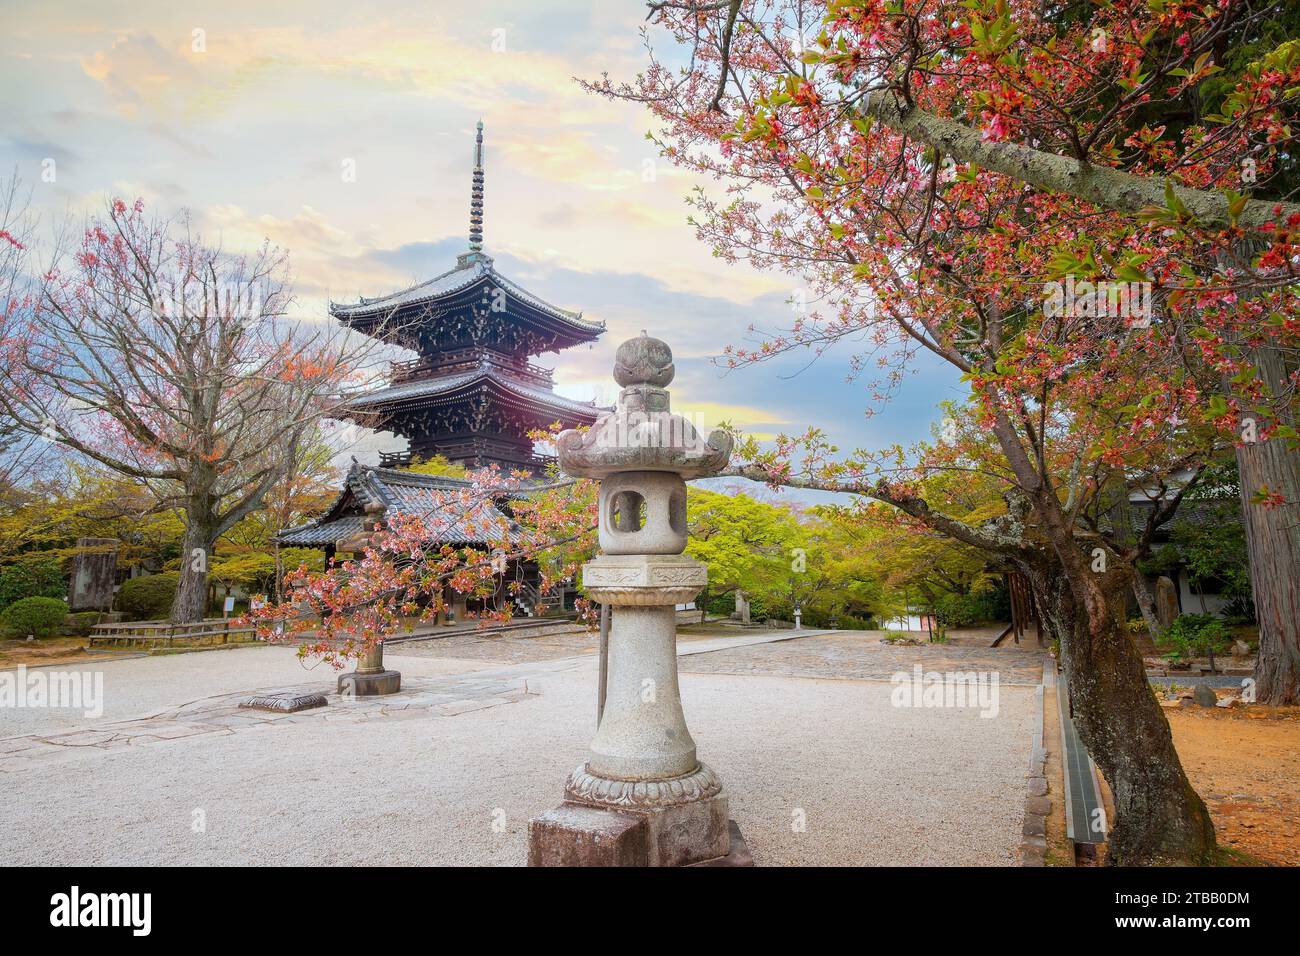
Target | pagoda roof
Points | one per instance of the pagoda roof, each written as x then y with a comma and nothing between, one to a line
471,269
451,294
435,387
404,493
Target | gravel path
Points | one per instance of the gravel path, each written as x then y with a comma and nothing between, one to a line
860,655
876,784
142,685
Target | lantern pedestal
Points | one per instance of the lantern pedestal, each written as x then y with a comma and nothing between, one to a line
577,834
370,679
642,798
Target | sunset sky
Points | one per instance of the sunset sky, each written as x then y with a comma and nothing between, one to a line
246,114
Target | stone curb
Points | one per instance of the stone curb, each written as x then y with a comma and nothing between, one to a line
1033,844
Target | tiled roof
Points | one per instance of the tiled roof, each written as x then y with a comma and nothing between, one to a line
407,493
453,281
315,534
432,387
449,282
1198,511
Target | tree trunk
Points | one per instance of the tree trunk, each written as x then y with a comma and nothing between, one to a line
1159,818
191,601
278,583
1273,545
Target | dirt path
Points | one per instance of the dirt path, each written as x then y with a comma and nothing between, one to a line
1246,766
53,650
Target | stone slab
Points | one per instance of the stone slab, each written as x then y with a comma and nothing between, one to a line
280,703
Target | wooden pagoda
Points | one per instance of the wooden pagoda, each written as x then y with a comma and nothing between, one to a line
472,394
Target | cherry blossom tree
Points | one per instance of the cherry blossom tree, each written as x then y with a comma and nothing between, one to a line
402,577
1082,209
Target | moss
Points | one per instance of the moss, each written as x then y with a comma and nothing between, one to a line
1228,856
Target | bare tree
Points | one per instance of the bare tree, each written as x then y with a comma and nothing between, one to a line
20,452
174,363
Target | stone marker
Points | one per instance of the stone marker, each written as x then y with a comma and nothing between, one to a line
1166,599
1204,695
370,679
94,573
642,798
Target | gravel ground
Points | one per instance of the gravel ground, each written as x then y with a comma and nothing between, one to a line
1191,680
876,784
860,655
141,685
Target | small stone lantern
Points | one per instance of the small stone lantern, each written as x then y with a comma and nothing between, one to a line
642,798
371,678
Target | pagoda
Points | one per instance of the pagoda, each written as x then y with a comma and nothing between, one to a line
472,394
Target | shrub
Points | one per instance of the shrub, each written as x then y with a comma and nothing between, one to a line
958,610
81,623
37,574
963,610
1191,635
148,597
39,616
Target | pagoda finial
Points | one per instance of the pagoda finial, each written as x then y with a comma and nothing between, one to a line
476,196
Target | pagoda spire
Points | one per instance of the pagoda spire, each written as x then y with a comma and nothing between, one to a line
476,196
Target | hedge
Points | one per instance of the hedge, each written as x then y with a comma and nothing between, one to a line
32,575
149,597
38,616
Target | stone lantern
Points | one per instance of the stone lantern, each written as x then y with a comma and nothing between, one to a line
371,678
642,798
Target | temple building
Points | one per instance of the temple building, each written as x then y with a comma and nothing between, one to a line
473,394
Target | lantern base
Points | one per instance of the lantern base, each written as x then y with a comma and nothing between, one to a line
681,829
370,685
574,834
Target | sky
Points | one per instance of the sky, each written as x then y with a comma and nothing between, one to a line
343,132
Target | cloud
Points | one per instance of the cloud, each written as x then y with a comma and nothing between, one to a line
139,73
250,134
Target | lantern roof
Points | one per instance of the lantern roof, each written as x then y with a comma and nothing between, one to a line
642,433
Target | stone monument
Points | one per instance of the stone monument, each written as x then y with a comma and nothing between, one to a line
642,798
741,613
94,574
1166,599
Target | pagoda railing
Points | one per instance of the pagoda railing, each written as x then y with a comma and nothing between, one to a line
463,360
404,459
467,450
